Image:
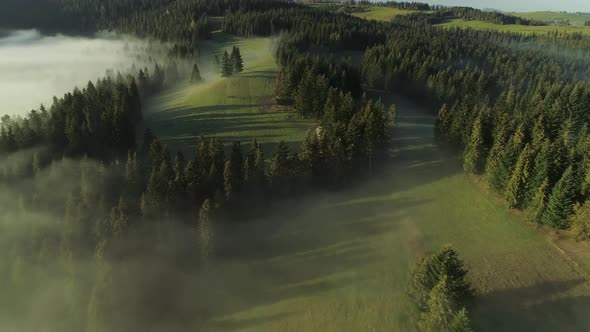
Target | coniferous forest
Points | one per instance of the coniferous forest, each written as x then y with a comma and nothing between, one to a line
99,207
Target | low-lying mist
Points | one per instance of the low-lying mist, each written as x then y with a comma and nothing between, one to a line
34,68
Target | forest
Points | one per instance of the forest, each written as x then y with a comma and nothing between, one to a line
96,204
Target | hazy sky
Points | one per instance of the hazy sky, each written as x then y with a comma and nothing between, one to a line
520,5
34,68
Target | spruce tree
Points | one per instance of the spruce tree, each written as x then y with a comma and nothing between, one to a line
236,60
475,155
460,322
443,124
441,309
447,262
540,171
560,204
284,88
539,202
581,221
279,168
430,270
304,96
237,162
516,187
226,65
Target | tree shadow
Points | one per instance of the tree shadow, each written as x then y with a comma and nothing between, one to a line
245,323
547,306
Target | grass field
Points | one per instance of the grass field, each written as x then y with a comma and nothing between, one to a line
339,262
381,13
554,17
238,108
480,25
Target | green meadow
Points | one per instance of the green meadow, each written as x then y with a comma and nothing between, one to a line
554,17
381,13
340,261
526,29
238,108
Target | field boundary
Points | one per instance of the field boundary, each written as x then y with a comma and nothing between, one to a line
571,261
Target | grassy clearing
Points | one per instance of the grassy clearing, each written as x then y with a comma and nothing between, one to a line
381,13
480,25
340,262
554,17
239,108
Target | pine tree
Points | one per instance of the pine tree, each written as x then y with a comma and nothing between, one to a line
237,162
502,160
226,65
539,202
540,171
284,88
236,60
516,187
196,74
475,155
560,204
422,280
581,221
460,322
441,309
304,96
447,262
443,124
430,270
279,168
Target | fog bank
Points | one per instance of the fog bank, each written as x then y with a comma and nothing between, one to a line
34,68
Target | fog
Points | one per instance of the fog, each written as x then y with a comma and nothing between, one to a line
34,68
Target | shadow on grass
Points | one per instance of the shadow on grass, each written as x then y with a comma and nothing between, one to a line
542,307
241,324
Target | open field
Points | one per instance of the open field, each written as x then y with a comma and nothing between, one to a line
381,13
238,108
480,25
554,17
339,262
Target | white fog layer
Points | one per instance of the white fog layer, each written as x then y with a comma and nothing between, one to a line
34,68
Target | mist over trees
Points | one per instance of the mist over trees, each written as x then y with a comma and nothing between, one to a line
104,211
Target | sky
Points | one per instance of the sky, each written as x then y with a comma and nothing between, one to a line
520,5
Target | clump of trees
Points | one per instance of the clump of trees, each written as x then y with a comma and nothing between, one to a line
441,293
231,64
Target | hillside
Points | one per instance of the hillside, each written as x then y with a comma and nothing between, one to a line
555,18
526,29
382,13
238,108
341,261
